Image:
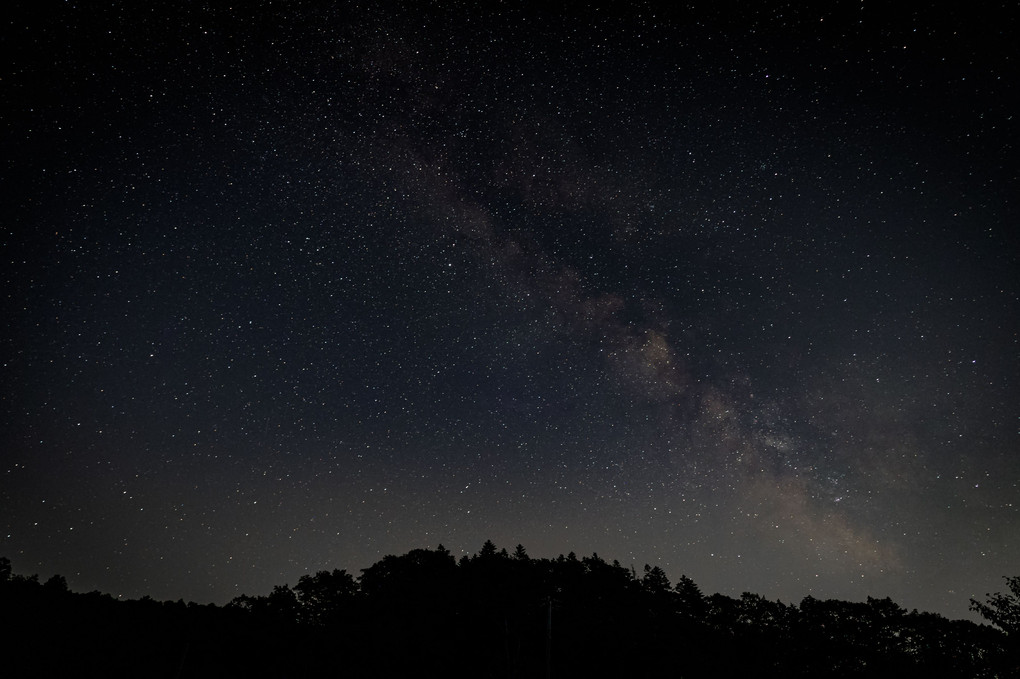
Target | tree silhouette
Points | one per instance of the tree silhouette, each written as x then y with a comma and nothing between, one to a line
690,600
56,584
1002,610
423,613
488,550
655,581
324,596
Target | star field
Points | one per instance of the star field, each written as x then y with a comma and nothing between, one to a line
292,287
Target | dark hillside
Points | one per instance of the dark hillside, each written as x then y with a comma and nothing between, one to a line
489,615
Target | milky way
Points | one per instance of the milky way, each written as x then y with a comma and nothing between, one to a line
292,288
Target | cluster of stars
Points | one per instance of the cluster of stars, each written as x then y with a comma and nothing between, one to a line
294,290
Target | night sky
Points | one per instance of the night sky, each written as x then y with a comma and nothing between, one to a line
295,285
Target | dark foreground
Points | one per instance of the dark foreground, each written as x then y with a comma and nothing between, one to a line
424,614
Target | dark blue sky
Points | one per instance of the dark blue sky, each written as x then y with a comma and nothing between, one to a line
295,286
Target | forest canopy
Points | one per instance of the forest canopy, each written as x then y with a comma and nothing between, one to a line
498,614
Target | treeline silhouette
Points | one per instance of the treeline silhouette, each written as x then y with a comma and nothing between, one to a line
493,614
